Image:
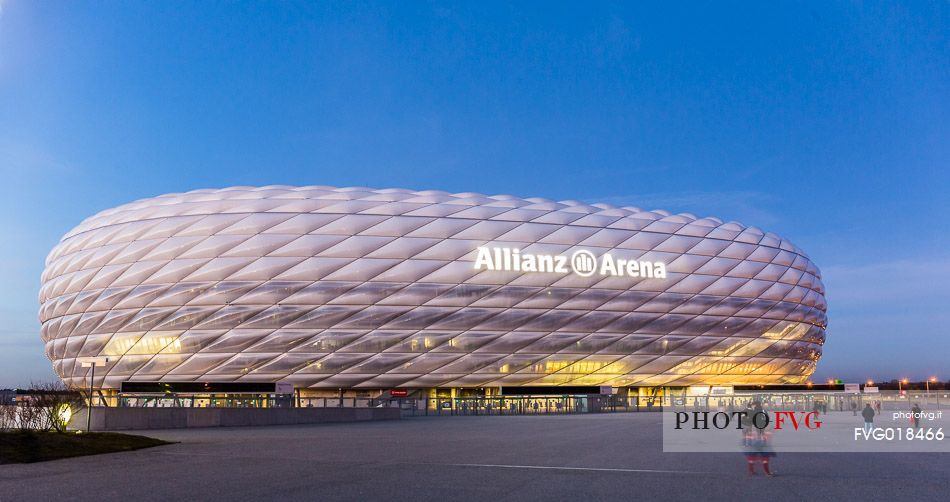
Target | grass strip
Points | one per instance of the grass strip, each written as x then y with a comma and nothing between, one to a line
17,447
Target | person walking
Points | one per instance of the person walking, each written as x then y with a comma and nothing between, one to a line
868,414
854,408
758,450
757,408
747,420
915,416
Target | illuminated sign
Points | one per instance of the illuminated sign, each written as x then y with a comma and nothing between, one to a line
581,262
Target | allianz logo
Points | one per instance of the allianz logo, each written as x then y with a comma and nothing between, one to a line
582,262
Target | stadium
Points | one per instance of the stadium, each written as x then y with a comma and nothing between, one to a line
362,291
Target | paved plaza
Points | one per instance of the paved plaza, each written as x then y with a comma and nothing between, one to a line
560,457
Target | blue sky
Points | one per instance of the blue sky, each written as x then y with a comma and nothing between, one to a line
824,122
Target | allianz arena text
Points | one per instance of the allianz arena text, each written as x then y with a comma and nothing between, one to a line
359,288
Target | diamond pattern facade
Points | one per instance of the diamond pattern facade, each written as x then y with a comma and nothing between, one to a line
362,288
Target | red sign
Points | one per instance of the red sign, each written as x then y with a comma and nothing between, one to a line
399,393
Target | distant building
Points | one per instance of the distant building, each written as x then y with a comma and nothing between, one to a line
7,397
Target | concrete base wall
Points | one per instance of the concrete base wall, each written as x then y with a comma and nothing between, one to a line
115,419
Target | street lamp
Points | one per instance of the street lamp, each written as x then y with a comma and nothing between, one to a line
91,363
934,380
899,382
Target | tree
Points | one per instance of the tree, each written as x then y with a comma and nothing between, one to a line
8,417
49,406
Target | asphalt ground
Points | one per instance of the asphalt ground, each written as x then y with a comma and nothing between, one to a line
549,457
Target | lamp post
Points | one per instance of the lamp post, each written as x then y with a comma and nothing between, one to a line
927,383
934,379
91,364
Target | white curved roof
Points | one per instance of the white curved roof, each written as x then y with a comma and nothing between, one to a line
354,287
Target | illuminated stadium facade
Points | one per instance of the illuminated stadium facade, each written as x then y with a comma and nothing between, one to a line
370,290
